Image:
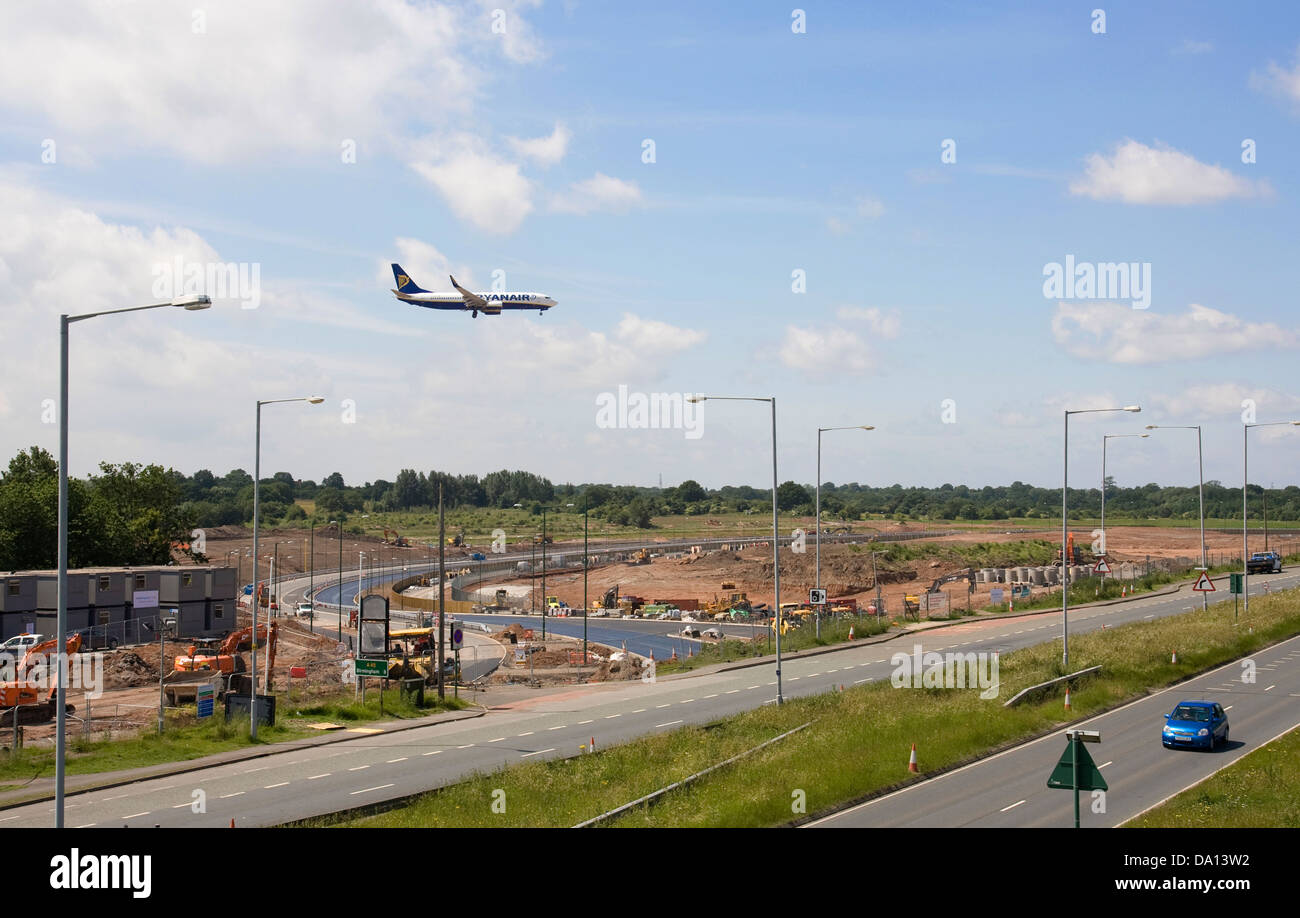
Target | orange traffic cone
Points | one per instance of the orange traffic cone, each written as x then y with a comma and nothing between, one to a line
911,762
674,656
1011,605
232,822
1174,659
1067,698
850,632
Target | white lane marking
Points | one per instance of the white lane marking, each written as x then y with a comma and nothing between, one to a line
1012,807
663,706
466,746
133,815
795,678
118,797
404,758
497,740
836,670
89,824
1104,764
1228,708
733,691
251,770
714,695
1271,687
529,733
669,724
582,722
560,727
639,711
177,806
435,752
751,688
860,681
369,789
272,786
358,768
686,701
612,716
538,752
238,793
1148,616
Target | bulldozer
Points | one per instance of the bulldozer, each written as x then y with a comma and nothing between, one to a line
641,557
25,692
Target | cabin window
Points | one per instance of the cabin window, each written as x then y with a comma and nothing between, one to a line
187,579
15,587
105,584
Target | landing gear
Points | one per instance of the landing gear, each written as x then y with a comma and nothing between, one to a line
474,315
541,312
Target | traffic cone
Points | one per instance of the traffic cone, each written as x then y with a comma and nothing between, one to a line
911,762
232,822
593,744
1174,658
1011,605
1067,698
850,632
674,656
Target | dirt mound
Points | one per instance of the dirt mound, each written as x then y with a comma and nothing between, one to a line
125,669
617,670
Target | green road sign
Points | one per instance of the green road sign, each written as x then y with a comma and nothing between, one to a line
371,667
1234,583
1063,774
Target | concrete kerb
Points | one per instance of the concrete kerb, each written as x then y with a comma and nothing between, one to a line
106,780
886,637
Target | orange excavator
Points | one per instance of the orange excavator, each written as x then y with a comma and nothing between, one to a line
209,657
25,692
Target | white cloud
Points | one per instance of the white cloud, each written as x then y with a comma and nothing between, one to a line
480,187
256,78
879,323
837,226
545,151
508,27
1212,400
817,350
1138,174
1116,333
1280,80
598,193
423,262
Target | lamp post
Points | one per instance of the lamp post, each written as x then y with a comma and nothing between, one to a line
820,431
311,581
1245,477
1065,523
776,544
1104,550
257,506
190,303
1200,491
339,532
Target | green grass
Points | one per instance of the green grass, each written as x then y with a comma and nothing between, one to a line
834,631
185,738
1262,789
859,741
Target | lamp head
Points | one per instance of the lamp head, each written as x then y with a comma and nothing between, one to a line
1133,408
193,302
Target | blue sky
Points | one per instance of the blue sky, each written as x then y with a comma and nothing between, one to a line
775,151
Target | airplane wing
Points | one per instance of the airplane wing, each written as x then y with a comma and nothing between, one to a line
472,300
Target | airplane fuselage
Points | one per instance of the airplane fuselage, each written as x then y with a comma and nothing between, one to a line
496,302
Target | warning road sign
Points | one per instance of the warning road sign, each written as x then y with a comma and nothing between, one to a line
1101,567
1204,584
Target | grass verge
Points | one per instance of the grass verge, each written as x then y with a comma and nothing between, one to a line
858,744
1261,790
834,631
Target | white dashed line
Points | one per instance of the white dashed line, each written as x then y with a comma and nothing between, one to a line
612,716
358,768
133,815
538,752
466,746
669,724
273,786
235,794
529,733
560,727
663,706
1012,807
369,789
497,740
404,758
733,691
1270,688
435,752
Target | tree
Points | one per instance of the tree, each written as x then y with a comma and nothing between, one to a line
691,491
333,480
790,495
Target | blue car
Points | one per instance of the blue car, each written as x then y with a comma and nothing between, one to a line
1200,724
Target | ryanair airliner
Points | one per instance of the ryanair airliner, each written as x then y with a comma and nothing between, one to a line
464,300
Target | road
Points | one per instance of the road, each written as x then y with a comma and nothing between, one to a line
550,723
1010,789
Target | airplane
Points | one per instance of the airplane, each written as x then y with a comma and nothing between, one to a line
465,300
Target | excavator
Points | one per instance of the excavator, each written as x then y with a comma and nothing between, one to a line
25,692
223,661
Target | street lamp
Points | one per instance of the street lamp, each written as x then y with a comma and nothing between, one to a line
1200,491
257,507
1104,550
191,304
1065,523
339,532
776,544
820,431
1245,549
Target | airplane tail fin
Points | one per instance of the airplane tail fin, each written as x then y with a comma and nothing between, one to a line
404,282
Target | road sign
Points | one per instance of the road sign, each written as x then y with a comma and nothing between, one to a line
1063,774
1234,583
1203,583
457,638
816,597
995,595
1101,567
377,668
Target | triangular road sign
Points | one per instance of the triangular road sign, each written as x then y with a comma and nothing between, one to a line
1101,567
1204,584
1063,774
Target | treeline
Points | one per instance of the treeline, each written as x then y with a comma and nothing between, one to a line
127,514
